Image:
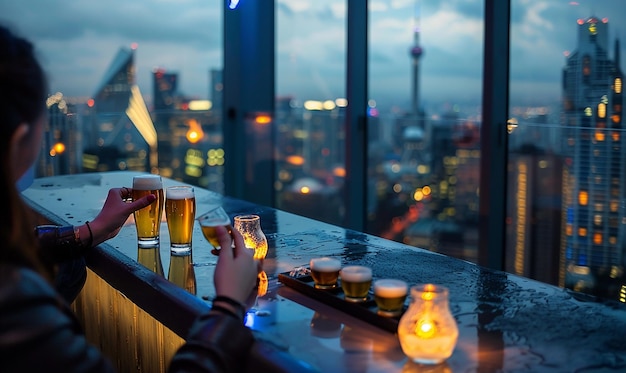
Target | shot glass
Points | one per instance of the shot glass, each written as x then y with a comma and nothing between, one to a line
325,272
355,282
389,295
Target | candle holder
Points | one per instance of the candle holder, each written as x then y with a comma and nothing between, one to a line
427,331
253,237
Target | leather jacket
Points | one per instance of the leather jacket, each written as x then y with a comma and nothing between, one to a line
39,332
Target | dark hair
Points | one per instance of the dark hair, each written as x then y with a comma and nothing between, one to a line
23,90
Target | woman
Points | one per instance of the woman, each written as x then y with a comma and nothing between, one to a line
38,331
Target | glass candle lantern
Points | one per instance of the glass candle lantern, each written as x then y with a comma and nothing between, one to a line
253,237
427,330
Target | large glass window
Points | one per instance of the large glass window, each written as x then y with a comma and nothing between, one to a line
134,85
310,108
566,180
425,84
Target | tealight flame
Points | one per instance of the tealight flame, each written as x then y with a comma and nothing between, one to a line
428,295
425,328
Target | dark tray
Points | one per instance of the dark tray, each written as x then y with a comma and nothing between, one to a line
366,311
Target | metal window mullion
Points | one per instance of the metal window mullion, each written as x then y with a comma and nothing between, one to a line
494,146
356,118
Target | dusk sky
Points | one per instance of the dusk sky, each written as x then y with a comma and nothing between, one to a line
77,40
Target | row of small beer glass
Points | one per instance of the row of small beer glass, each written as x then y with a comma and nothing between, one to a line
356,281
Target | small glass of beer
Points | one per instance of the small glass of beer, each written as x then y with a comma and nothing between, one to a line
389,295
210,220
325,272
148,219
355,282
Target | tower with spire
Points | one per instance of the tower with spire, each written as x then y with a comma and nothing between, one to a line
416,52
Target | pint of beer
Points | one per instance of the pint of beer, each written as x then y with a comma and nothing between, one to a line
325,272
355,282
148,219
389,295
210,220
180,212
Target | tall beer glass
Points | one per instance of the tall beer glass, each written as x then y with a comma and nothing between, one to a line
148,221
180,212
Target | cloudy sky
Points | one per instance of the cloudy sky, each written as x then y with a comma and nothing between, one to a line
77,40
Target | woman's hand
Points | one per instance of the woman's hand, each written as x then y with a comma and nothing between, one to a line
114,214
236,272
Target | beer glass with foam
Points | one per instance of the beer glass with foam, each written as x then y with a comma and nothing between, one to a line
325,272
355,282
180,213
148,221
389,295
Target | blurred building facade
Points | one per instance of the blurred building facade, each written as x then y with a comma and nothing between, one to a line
594,175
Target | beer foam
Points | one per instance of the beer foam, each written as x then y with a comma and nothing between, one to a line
147,182
325,264
356,274
179,193
390,288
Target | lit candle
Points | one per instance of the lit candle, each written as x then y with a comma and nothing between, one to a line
427,330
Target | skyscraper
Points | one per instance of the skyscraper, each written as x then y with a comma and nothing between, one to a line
594,176
119,130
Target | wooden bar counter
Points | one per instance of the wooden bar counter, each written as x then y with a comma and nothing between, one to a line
506,323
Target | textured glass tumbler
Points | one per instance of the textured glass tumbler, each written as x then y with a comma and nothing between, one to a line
253,237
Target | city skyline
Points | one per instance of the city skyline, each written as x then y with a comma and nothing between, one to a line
77,45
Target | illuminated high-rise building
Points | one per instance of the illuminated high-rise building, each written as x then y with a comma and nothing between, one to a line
119,130
534,213
61,145
165,85
594,175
